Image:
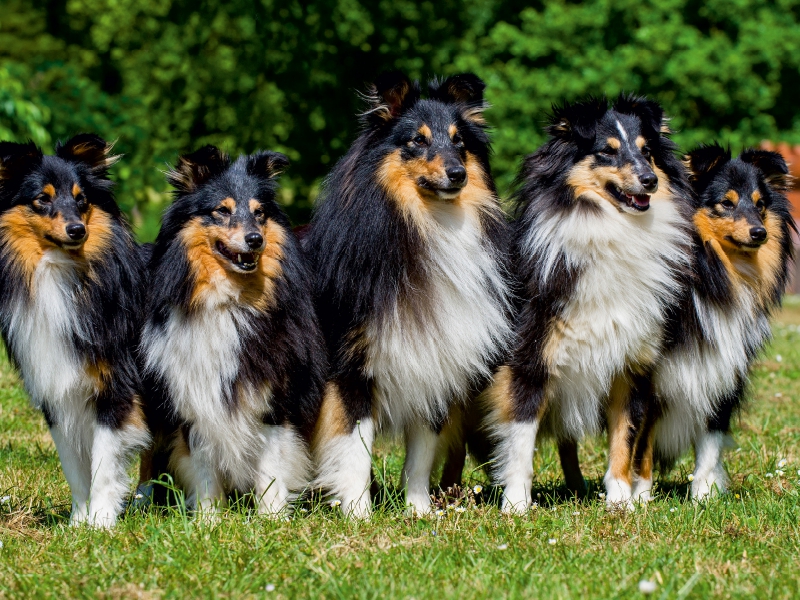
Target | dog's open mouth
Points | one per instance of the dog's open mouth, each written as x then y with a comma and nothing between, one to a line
444,193
636,201
246,261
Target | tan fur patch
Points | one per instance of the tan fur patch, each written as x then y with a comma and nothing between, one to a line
49,189
332,420
498,399
425,131
590,181
452,130
756,196
76,189
619,423
640,142
209,268
228,203
99,233
100,374
254,205
613,142
733,196
476,195
20,233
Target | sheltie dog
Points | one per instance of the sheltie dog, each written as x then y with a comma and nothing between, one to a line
742,249
233,355
408,248
71,300
601,250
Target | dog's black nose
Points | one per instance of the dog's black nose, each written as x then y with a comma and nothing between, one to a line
457,174
758,234
254,240
649,181
76,231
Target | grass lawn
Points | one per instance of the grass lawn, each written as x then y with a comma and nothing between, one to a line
744,544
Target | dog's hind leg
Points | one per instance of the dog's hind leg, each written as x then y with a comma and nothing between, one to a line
573,477
198,477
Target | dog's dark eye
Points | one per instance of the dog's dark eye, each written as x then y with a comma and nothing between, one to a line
646,152
420,140
224,211
42,199
609,151
457,139
258,213
728,204
760,205
80,199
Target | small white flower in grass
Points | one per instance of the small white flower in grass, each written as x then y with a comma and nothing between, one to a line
477,489
7,499
552,541
335,503
503,547
136,497
673,509
778,472
779,358
690,477
439,512
647,587
303,510
554,509
576,513
798,471
602,495
460,509
778,395
270,587
782,463
768,475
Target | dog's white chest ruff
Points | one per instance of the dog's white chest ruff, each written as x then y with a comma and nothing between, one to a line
614,319
425,355
41,333
198,356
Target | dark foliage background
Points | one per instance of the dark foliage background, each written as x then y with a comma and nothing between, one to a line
166,76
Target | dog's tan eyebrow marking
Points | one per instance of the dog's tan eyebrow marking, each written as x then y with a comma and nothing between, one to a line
640,141
613,142
228,203
732,195
49,189
452,130
426,131
76,189
254,205
756,196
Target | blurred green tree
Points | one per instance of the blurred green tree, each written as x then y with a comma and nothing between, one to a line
166,76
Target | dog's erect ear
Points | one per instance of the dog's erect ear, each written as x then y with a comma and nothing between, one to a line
390,95
89,149
771,164
705,162
267,164
578,122
16,159
465,89
193,170
649,112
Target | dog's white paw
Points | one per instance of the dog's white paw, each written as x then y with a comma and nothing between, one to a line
710,484
619,495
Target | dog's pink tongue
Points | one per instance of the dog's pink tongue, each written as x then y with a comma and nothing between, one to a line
642,200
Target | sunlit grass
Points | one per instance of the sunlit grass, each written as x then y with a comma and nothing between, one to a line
741,545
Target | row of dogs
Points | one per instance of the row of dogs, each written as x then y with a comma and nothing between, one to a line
630,293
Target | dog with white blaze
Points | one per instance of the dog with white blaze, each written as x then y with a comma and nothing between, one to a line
71,302
234,358
407,245
742,255
602,251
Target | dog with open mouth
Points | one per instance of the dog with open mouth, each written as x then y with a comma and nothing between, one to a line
408,247
602,250
743,251
71,311
234,359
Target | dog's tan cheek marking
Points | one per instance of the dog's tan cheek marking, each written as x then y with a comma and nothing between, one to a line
398,179
476,196
613,143
769,258
204,265
332,421
50,190
99,233
258,289
21,235
619,425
